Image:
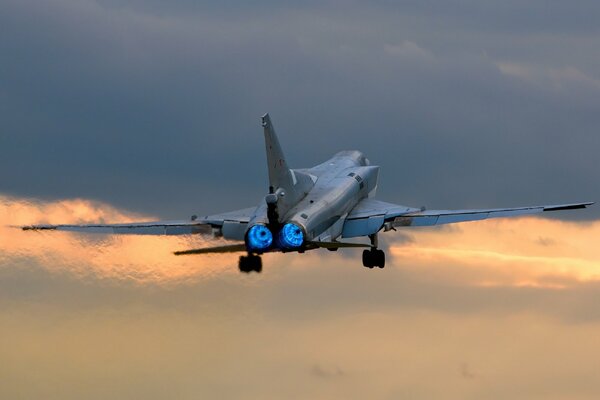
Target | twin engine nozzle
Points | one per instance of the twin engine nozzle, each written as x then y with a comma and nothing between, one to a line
260,238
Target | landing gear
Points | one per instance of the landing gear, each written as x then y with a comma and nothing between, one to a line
250,263
374,257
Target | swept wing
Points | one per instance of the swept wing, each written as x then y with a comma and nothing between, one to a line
204,225
370,216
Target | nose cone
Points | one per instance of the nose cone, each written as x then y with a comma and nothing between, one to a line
259,237
291,236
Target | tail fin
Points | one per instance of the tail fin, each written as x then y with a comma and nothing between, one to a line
279,172
291,185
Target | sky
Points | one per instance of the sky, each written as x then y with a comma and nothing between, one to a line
131,110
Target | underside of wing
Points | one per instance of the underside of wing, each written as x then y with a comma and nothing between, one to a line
369,207
370,216
241,216
137,228
230,225
439,217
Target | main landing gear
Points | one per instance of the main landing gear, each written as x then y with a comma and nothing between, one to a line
371,258
374,257
250,263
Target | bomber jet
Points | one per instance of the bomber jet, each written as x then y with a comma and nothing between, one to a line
307,209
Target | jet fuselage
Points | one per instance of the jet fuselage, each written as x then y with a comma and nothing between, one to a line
339,184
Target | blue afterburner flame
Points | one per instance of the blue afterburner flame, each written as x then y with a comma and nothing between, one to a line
291,236
259,237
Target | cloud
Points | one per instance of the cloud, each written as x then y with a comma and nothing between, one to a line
408,49
124,315
135,103
509,252
138,259
465,371
321,372
489,253
553,78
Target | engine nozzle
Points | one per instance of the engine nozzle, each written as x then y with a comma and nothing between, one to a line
259,238
291,236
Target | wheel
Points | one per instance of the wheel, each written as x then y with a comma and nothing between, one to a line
373,258
380,258
250,263
244,264
256,264
367,259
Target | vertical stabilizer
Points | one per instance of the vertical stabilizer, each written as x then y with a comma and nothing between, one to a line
279,173
291,186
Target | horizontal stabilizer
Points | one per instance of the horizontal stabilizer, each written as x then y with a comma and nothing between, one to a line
230,248
241,247
333,245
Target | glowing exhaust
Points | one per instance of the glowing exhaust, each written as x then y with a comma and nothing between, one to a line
291,236
259,237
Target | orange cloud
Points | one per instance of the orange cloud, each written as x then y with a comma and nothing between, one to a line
518,252
508,252
142,259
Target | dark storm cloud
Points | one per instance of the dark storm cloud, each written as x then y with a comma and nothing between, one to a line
156,107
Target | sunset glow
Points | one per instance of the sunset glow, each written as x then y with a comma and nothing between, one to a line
142,259
511,252
518,252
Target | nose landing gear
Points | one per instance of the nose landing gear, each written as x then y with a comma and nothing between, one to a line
374,257
250,263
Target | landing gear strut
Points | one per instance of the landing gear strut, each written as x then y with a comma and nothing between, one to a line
374,257
250,263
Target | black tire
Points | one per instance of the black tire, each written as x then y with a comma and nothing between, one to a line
367,259
244,264
257,264
380,256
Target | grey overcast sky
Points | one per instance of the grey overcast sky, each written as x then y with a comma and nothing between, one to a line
154,106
